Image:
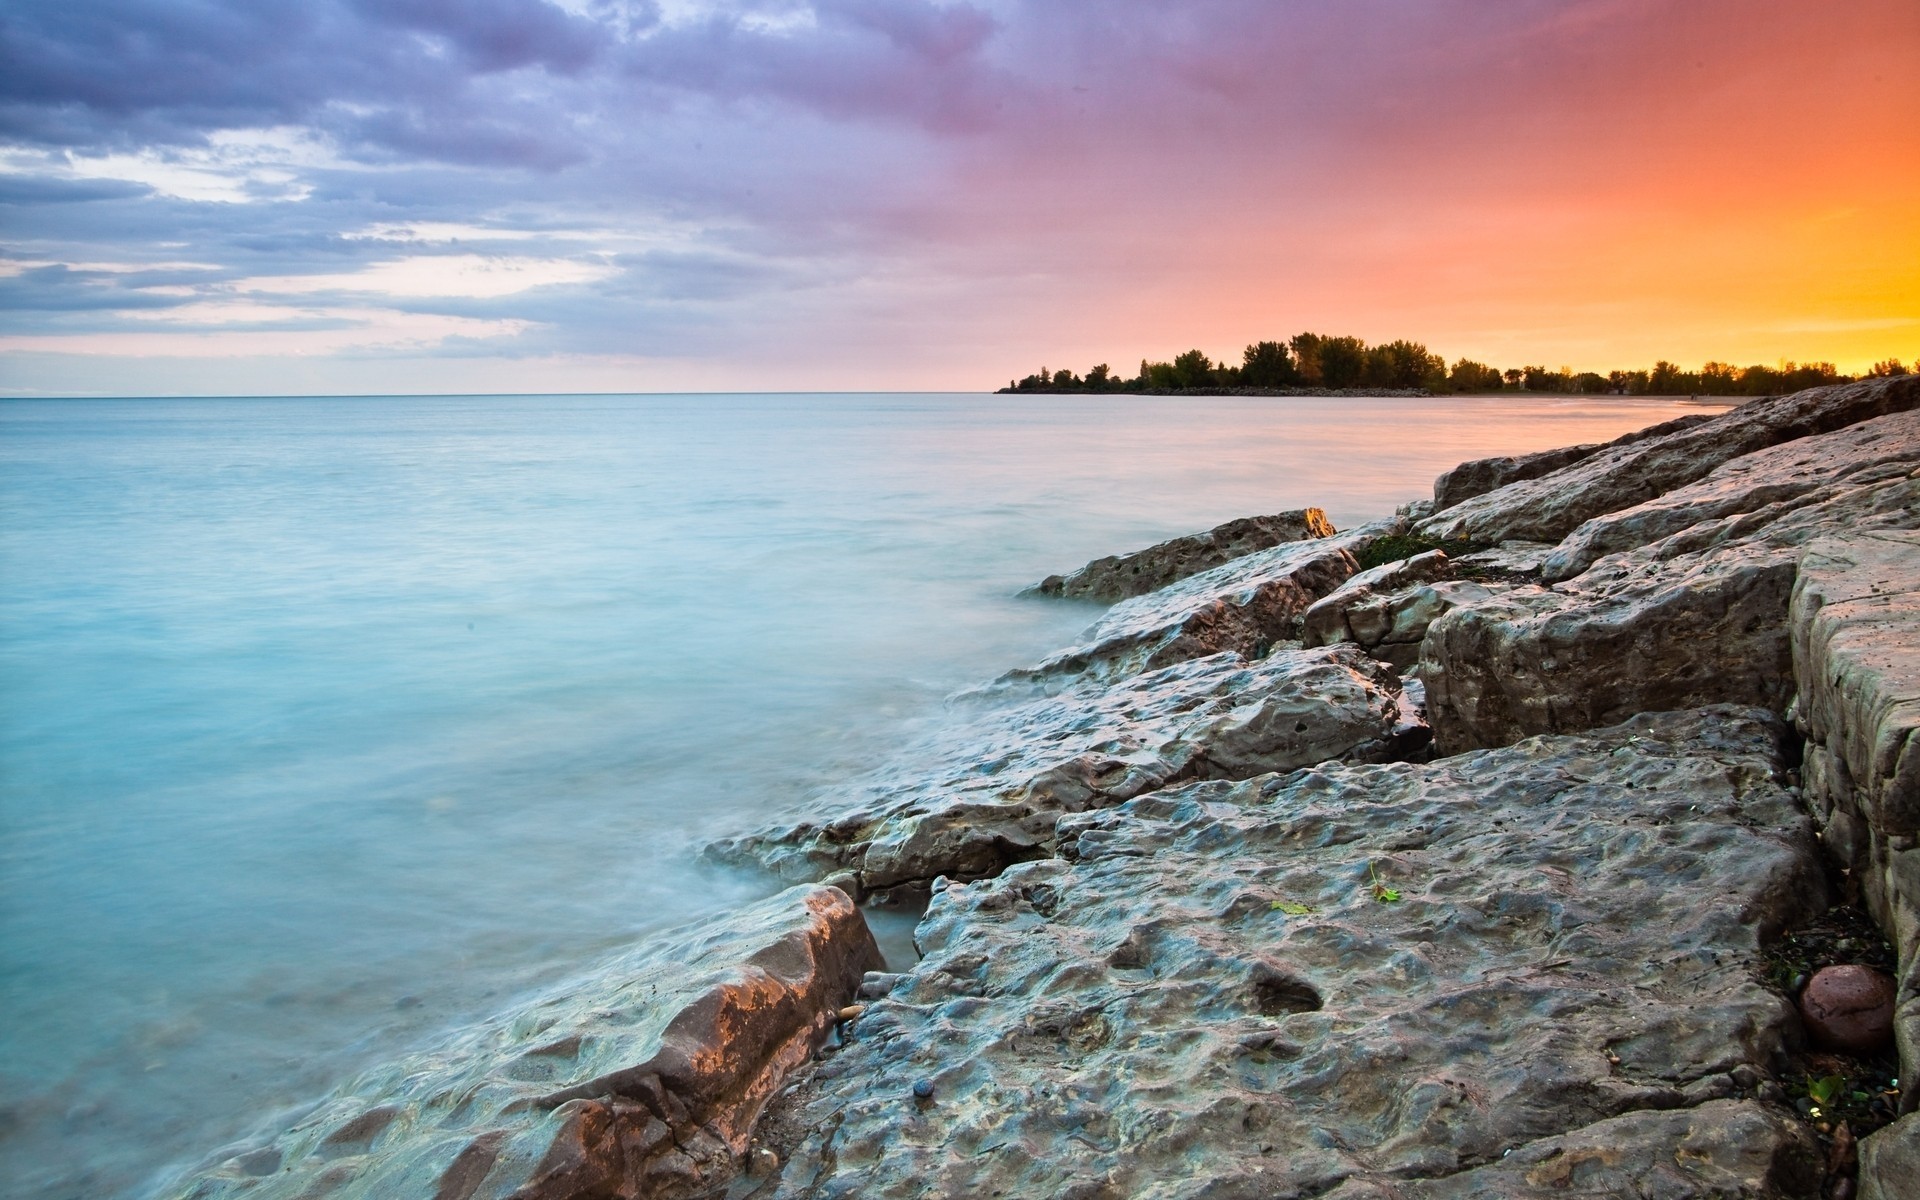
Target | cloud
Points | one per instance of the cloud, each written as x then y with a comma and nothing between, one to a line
470,275
788,179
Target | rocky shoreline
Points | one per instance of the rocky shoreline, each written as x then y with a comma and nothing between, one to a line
1493,849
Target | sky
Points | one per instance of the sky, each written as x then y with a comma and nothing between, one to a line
393,196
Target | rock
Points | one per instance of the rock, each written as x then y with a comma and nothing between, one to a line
1723,1148
1483,475
1551,506
1118,577
1350,613
1890,1161
1849,1008
1749,492
644,1079
1696,617
1855,627
1247,606
1207,996
985,793
1510,558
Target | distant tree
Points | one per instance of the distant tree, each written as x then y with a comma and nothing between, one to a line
1193,370
1470,376
1590,383
1513,376
1889,367
1666,379
1158,375
1343,362
1538,379
1268,365
1402,364
1100,378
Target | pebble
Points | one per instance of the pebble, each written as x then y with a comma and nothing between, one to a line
762,1161
1849,1008
923,1089
852,1012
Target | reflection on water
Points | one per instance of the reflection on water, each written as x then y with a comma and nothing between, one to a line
326,724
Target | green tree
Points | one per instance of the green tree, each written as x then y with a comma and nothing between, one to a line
1470,376
1402,364
1338,362
1193,370
1268,365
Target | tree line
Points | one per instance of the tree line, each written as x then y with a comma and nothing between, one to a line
1317,361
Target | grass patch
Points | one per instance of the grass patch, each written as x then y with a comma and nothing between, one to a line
1396,546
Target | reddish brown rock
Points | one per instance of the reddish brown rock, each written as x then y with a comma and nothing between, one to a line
1849,1008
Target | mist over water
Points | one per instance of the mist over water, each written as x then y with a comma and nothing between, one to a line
328,724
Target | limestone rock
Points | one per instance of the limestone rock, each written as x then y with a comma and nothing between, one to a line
1384,974
1697,617
1890,1161
1247,606
643,1080
1855,627
1350,613
1551,506
1117,577
985,793
1751,491
1483,475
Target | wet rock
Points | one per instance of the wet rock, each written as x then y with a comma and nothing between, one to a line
1698,616
985,793
1118,577
1247,606
1210,995
1849,1008
1553,505
644,1079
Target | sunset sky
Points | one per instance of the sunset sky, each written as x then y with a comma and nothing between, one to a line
226,196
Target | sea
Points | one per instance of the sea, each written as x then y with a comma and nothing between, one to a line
328,725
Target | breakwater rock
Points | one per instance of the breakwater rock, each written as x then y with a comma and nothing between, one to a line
643,1079
1118,577
1380,975
987,792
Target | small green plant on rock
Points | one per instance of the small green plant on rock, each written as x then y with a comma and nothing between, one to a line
1381,891
1396,546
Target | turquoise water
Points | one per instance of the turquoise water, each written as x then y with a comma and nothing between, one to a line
328,723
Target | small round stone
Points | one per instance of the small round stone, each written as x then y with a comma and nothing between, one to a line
762,1161
923,1089
1849,1008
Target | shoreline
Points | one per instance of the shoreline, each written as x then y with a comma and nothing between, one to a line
1109,857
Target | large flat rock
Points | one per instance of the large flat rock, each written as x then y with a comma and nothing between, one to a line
1117,577
1483,475
1551,506
1754,490
1212,995
986,792
1695,614
642,1080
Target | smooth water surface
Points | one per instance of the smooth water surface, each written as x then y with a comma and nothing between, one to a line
328,723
